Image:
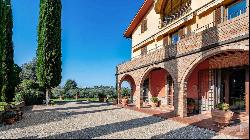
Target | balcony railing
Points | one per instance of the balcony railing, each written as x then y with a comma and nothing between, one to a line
181,12
210,34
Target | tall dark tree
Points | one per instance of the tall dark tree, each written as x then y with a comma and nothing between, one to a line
1,44
7,65
49,45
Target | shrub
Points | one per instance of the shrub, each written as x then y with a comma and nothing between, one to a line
223,106
125,92
102,95
114,96
18,97
57,92
154,100
29,92
2,105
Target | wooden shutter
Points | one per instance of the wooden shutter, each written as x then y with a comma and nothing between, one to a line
189,30
165,41
181,33
144,26
218,15
144,50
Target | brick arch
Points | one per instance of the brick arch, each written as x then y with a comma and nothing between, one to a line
156,88
149,69
205,55
130,80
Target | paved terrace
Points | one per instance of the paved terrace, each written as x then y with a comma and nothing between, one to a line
99,120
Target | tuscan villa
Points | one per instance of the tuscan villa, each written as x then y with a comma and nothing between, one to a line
189,49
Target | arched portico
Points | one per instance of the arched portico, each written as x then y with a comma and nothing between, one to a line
209,77
156,81
128,78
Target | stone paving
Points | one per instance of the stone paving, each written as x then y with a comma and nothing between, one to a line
83,120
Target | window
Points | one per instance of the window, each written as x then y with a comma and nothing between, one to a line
144,26
236,9
175,38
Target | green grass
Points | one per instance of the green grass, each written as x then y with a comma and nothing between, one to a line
79,99
73,100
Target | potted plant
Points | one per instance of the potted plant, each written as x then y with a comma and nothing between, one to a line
154,102
125,101
101,97
190,105
222,115
125,97
9,117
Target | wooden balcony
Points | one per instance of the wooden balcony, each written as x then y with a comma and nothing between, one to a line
210,36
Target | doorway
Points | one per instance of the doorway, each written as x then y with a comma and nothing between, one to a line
233,88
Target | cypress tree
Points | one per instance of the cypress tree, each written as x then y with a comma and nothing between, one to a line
1,46
49,45
7,52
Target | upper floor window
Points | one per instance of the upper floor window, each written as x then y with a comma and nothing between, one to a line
175,38
236,9
144,26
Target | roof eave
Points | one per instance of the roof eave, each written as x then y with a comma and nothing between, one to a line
138,17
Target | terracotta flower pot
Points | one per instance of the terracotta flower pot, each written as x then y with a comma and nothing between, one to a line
244,118
115,101
154,105
125,102
222,117
141,102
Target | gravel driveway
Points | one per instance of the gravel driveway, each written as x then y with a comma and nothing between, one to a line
82,120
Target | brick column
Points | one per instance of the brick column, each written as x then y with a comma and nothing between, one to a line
138,93
118,86
180,99
119,92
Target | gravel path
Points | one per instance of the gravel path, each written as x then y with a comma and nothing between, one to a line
84,120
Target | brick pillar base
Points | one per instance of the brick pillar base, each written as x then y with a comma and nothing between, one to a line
180,101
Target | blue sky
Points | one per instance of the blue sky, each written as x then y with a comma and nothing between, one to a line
92,37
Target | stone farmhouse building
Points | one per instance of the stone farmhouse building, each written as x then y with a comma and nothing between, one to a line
184,49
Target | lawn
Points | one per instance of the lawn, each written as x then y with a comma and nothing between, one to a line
79,99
